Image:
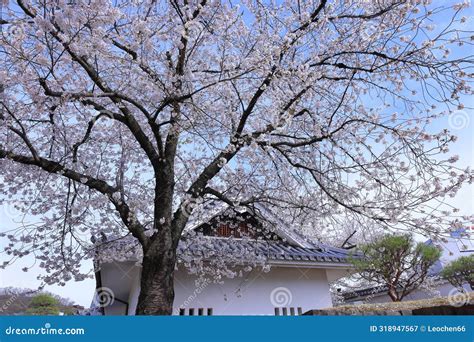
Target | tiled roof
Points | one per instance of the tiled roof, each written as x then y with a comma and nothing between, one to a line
293,247
271,250
348,295
244,250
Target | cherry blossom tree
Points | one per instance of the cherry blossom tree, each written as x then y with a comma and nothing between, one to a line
124,117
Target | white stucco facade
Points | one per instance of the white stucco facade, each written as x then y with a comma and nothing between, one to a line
283,290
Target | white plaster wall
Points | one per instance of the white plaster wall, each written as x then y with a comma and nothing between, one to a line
134,291
118,279
250,294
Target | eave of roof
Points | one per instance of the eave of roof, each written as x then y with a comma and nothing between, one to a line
273,252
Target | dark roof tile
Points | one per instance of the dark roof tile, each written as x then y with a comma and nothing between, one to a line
273,250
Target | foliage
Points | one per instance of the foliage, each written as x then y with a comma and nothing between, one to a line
126,118
395,261
15,301
43,304
460,271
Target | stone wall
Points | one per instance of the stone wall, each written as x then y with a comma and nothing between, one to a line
434,310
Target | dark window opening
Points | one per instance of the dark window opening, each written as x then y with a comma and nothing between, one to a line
224,230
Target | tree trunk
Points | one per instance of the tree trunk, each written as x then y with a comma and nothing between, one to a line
392,293
156,283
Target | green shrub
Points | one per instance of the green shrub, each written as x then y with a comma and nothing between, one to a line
396,262
460,271
43,304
